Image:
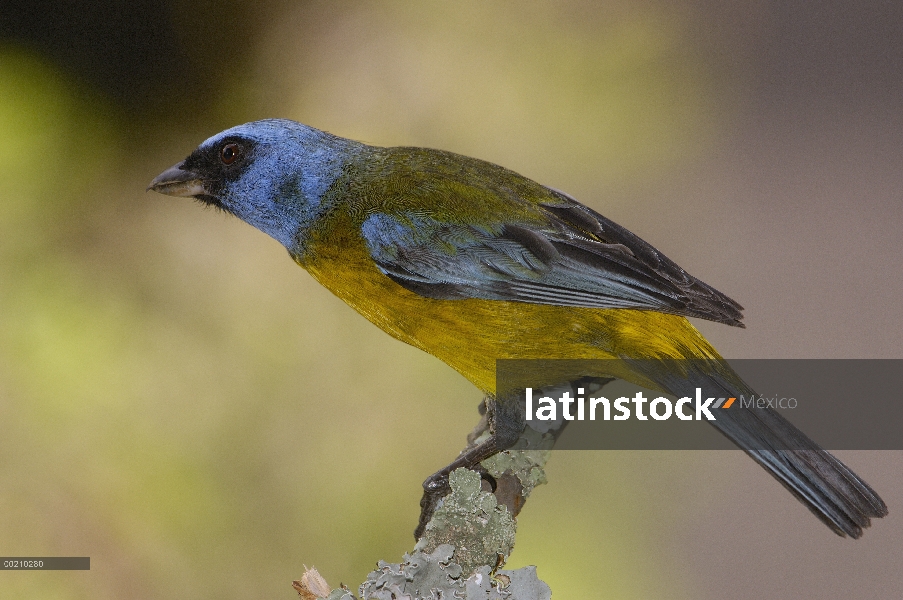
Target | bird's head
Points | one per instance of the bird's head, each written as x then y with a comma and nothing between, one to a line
273,174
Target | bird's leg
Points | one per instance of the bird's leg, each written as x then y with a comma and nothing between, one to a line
506,423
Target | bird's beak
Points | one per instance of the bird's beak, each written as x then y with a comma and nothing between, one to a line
178,181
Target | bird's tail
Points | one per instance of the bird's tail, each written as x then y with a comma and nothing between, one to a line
827,487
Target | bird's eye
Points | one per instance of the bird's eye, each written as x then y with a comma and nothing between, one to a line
229,153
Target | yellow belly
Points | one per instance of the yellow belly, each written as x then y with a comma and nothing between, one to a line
470,335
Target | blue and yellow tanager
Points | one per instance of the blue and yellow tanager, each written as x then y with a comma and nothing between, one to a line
472,263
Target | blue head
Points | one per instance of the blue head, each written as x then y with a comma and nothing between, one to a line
272,174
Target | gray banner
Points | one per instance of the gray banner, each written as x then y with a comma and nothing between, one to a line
45,563
696,405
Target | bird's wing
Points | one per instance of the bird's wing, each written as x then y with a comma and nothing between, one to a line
563,254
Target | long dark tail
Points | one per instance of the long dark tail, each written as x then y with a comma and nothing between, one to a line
825,485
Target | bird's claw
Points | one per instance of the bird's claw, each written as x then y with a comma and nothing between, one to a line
435,488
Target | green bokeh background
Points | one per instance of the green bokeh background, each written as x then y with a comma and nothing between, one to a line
181,403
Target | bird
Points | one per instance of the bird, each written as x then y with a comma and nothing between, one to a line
474,263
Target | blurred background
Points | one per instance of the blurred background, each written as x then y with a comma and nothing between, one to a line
184,405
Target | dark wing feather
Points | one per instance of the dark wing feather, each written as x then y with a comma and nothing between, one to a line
564,254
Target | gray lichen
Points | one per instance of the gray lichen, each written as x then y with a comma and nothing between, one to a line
435,576
525,460
481,530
